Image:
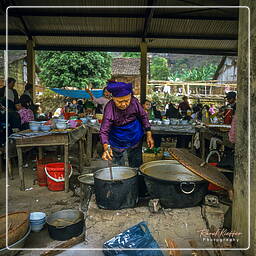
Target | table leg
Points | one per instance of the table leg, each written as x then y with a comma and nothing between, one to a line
89,146
40,153
66,168
21,173
10,168
203,146
80,155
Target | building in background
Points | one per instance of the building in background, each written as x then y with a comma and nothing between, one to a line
17,68
127,70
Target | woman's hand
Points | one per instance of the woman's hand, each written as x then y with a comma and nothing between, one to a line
150,140
108,153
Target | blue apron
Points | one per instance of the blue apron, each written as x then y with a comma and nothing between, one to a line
127,135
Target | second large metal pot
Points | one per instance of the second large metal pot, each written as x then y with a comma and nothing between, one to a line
119,192
173,184
65,224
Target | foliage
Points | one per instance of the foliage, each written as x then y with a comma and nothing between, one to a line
159,69
131,54
202,73
74,69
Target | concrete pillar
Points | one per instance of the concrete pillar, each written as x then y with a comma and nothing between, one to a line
143,70
240,212
31,65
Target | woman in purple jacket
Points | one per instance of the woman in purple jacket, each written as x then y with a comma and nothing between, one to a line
123,126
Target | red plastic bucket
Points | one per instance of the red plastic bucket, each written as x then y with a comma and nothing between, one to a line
55,176
40,173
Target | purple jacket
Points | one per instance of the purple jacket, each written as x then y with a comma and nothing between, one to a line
118,117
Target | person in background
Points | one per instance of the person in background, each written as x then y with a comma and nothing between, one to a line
184,106
89,107
26,114
80,107
172,112
123,126
211,109
157,112
28,90
232,131
13,96
231,99
146,104
102,101
73,106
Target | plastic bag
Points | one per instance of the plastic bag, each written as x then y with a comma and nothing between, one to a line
137,236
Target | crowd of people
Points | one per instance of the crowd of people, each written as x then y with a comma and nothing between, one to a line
21,110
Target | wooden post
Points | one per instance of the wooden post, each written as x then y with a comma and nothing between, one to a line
240,212
143,70
66,168
21,173
31,65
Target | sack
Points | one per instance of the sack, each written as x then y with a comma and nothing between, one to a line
227,160
137,236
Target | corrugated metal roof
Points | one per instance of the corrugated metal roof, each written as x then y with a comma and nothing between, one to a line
187,30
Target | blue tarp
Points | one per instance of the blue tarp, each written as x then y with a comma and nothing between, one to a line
79,94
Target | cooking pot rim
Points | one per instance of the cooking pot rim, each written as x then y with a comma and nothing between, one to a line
135,170
50,218
172,162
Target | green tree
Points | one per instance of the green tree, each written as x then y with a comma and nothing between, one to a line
159,69
202,73
74,69
131,54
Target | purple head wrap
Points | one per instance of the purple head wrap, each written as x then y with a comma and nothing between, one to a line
119,89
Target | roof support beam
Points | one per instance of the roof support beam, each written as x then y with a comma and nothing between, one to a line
143,71
199,51
181,15
148,18
23,22
125,35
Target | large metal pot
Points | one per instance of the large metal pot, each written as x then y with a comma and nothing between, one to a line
65,224
173,184
119,192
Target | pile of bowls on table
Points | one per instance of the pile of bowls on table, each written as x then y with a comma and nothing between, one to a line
39,126
61,124
37,221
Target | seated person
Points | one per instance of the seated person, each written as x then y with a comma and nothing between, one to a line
26,114
172,112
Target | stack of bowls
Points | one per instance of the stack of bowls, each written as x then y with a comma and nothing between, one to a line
34,126
37,221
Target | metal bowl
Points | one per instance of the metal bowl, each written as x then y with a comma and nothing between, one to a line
87,179
16,245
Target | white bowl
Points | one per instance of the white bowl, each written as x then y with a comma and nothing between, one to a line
37,228
159,122
166,122
93,121
61,125
45,128
37,216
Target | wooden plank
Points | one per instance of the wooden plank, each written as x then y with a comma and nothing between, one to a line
67,244
206,171
171,244
21,173
193,244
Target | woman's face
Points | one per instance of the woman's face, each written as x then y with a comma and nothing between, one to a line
122,102
18,107
147,105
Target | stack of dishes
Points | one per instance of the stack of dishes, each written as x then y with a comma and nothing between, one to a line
37,221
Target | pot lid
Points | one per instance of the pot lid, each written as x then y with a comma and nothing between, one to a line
206,171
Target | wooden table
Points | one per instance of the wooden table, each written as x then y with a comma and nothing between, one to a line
206,133
156,129
64,139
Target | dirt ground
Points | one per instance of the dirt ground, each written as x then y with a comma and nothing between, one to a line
181,225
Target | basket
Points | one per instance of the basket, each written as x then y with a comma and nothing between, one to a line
18,226
148,157
40,173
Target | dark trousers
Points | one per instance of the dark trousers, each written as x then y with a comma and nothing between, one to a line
183,141
134,156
